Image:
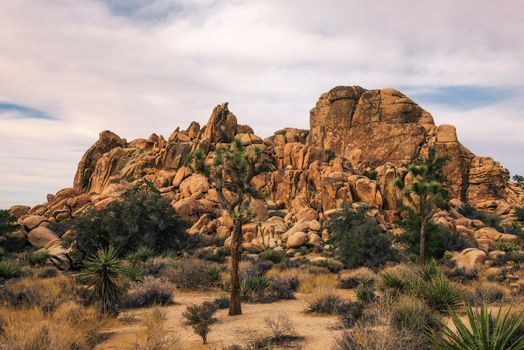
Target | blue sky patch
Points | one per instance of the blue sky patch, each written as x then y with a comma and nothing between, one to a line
144,10
459,97
22,111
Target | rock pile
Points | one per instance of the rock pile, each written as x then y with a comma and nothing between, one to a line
353,132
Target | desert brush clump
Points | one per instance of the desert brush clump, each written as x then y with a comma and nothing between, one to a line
201,316
154,333
352,278
150,291
189,273
324,301
9,269
359,239
141,218
413,316
280,326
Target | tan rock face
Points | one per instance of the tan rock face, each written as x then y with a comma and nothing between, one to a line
41,237
383,124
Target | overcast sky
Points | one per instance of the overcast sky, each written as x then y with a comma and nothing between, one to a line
69,69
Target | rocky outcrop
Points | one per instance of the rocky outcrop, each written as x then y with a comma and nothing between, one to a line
358,143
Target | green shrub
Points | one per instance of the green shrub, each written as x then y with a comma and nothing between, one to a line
482,331
441,294
438,240
214,272
141,254
253,287
9,269
412,315
396,283
103,273
519,212
142,217
133,271
273,256
359,239
351,279
428,272
365,291
38,258
7,222
196,313
372,175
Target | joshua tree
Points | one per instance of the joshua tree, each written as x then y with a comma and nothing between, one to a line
103,272
232,168
423,194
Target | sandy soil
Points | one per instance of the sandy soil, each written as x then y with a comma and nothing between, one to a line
318,331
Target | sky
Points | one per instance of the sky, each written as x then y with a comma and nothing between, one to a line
72,68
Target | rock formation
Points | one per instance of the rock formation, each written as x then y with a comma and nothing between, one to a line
352,130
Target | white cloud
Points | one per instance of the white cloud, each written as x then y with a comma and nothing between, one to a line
138,67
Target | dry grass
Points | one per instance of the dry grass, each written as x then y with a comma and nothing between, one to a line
70,326
310,283
154,334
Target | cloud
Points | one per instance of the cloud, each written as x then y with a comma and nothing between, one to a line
137,67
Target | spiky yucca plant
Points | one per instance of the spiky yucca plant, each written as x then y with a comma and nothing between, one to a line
104,273
482,331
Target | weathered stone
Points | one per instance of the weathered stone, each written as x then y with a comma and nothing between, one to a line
19,210
33,221
41,237
296,240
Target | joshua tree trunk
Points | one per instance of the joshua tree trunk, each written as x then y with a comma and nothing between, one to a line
422,248
236,253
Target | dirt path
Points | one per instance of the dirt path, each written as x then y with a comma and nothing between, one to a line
319,332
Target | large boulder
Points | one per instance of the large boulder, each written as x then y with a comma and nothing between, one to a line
19,210
33,221
296,240
41,237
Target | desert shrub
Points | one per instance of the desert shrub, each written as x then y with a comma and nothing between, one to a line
9,269
398,279
7,222
412,315
158,265
133,271
428,271
359,239
438,240
202,329
350,313
330,155
519,212
152,291
142,217
330,265
253,287
189,273
489,219
485,293
141,254
38,258
280,326
214,272
362,337
43,294
351,279
197,313
69,327
372,175
365,291
222,302
324,302
273,256
309,282
482,331
47,272
441,294
103,273
280,288
154,332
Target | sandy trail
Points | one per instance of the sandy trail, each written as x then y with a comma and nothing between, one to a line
319,331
